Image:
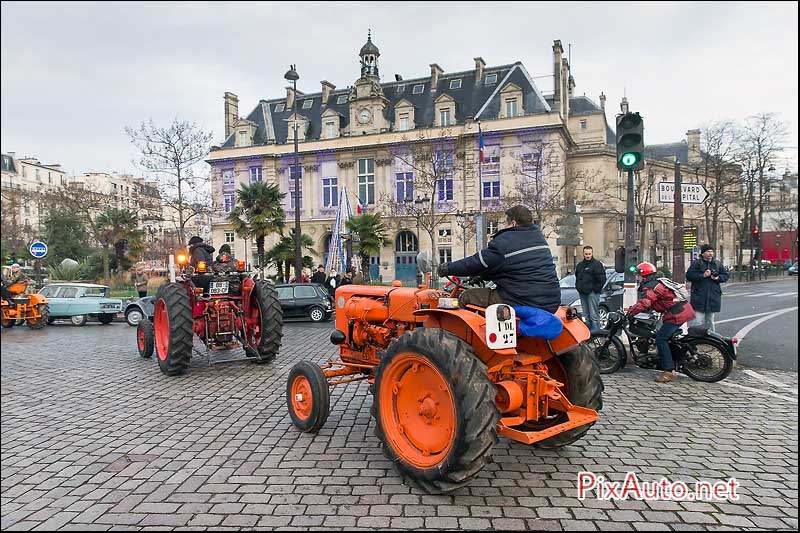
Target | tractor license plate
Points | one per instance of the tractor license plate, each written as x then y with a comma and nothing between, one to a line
218,287
501,327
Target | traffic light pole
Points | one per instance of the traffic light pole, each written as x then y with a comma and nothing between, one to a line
678,266
629,295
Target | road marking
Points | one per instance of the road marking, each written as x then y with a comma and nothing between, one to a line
736,294
783,295
765,379
759,391
743,317
749,327
759,294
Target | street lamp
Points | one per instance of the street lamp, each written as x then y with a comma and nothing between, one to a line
291,75
463,221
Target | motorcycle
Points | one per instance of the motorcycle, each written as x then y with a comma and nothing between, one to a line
700,354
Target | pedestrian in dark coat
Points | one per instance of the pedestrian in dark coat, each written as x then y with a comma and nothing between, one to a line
590,276
706,275
319,275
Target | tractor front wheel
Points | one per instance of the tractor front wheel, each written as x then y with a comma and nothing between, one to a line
434,410
264,323
44,317
308,397
579,372
173,329
145,338
9,323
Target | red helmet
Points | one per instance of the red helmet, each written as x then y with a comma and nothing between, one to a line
645,269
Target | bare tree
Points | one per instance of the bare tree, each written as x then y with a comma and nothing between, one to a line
720,173
759,146
172,153
434,163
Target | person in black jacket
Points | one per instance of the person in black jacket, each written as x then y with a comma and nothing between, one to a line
706,275
590,276
319,275
200,251
518,261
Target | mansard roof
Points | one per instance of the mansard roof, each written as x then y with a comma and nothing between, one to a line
476,100
666,151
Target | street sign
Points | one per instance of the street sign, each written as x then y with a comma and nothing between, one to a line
691,193
38,249
689,238
695,252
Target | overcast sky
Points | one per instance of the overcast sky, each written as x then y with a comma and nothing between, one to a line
75,74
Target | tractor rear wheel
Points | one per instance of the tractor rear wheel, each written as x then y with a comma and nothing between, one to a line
9,323
584,388
434,410
308,397
43,320
173,329
145,338
264,322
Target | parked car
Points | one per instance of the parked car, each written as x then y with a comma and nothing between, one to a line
610,296
136,310
305,300
793,269
80,301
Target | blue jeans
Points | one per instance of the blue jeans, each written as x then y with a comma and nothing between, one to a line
704,319
664,353
590,310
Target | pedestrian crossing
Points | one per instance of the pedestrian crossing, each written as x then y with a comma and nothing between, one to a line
760,295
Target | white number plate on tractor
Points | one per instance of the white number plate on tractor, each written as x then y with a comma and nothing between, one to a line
218,287
501,327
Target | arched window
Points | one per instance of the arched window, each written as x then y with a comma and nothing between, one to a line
406,242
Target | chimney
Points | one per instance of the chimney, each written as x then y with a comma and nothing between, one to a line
558,92
693,139
12,155
327,89
398,77
565,92
289,97
436,71
602,101
231,112
480,64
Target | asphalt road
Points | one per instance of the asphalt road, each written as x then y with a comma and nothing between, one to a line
771,307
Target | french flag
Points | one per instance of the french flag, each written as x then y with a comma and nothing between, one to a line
481,147
360,207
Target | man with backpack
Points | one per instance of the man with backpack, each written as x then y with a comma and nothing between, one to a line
671,300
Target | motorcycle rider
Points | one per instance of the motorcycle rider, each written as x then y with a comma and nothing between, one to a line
656,296
518,261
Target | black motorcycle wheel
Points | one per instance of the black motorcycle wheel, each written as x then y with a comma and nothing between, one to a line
706,361
608,351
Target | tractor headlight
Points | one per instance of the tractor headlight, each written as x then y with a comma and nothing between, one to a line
448,303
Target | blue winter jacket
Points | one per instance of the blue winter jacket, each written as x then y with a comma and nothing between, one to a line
519,262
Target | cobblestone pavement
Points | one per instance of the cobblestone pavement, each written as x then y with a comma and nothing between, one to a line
93,437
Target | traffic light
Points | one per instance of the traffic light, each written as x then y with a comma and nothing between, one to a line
756,234
630,142
634,260
619,259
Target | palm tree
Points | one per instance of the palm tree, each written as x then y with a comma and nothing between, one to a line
117,228
258,213
282,254
373,235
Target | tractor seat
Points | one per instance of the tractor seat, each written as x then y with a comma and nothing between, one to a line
535,322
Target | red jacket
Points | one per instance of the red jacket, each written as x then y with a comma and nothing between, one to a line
659,298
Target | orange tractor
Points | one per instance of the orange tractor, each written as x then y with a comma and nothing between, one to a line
447,380
32,308
221,304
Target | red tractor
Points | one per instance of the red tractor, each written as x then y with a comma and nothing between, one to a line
221,304
447,380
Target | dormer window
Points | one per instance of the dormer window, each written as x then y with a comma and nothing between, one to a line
444,117
341,99
330,130
243,138
511,107
401,88
280,107
418,89
307,104
490,79
455,84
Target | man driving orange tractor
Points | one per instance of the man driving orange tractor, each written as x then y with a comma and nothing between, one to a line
16,283
518,261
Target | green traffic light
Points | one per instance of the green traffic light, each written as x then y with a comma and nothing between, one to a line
632,268
629,159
